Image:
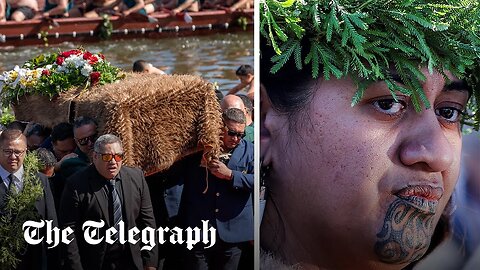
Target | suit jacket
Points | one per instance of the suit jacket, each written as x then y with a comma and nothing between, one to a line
67,169
84,199
227,204
38,256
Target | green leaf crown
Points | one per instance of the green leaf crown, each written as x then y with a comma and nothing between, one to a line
365,39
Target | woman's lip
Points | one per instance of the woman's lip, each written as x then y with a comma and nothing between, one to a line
423,191
422,197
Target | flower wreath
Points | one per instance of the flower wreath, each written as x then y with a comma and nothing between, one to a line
51,74
18,209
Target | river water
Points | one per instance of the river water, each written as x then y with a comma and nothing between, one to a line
213,57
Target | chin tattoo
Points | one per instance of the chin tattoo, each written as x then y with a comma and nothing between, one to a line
406,233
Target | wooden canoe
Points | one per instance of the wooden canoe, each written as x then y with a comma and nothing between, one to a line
156,25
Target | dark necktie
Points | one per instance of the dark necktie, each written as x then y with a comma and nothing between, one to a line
12,187
117,206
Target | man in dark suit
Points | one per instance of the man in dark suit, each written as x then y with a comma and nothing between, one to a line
107,191
13,147
226,202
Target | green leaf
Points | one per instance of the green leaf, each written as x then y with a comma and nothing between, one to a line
298,55
280,60
360,92
280,34
287,3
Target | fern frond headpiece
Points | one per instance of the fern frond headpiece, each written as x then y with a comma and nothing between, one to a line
365,39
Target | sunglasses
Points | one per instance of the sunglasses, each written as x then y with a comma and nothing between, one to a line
235,134
109,157
84,141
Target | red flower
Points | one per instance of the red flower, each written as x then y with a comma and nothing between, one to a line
92,59
101,56
59,60
95,77
71,52
46,72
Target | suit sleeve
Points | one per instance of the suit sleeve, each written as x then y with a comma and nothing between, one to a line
69,217
245,179
147,219
50,214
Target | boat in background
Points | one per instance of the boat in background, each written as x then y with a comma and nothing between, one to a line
136,25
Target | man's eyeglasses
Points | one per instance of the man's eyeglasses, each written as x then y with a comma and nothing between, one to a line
109,157
236,134
16,153
84,141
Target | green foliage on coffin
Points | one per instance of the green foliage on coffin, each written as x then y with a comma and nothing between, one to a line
51,74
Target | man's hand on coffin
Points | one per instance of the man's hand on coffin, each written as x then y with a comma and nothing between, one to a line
220,170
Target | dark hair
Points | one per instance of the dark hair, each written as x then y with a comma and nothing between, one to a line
246,102
244,70
139,65
18,125
39,130
46,157
235,115
62,132
84,120
289,89
12,134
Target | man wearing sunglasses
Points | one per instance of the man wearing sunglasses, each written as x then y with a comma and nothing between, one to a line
85,133
227,199
233,101
13,148
107,191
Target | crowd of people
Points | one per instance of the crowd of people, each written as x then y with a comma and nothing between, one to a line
20,10
84,179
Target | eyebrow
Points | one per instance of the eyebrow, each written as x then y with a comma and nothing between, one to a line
456,85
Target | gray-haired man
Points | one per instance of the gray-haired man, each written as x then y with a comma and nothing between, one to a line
107,191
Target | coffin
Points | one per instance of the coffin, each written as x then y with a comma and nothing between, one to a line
160,118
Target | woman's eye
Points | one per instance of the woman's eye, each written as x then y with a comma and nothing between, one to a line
389,106
449,113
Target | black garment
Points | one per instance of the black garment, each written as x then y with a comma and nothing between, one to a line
167,187
222,256
39,256
85,198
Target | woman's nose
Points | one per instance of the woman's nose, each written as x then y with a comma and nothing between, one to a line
427,145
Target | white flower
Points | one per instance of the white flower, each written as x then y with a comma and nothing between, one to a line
99,59
86,70
21,72
2,84
38,72
75,61
62,69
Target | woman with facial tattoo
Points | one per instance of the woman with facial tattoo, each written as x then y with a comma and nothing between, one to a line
361,142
